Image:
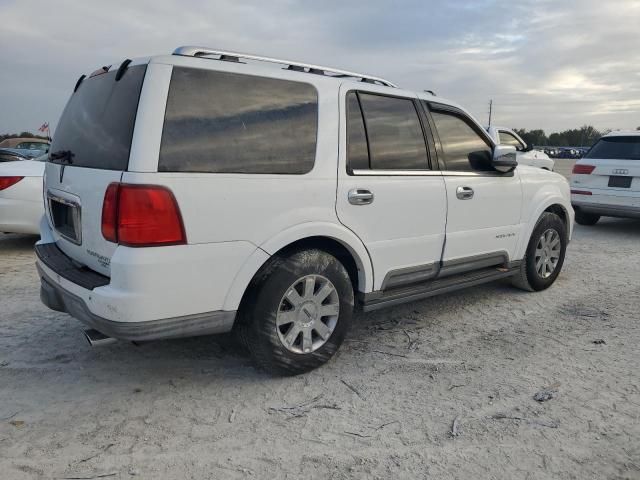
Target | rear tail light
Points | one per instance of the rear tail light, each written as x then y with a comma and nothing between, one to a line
6,182
110,213
583,169
581,192
141,216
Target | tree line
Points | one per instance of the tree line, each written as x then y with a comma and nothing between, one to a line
4,136
584,136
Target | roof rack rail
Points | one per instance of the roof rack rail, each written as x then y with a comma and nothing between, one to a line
190,51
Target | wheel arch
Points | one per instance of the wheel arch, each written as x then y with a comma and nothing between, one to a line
562,212
333,239
553,203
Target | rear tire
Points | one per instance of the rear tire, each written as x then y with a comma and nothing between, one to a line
287,323
544,256
583,218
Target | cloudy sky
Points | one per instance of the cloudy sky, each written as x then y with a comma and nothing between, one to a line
545,64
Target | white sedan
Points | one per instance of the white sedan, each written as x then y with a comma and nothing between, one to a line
21,204
525,154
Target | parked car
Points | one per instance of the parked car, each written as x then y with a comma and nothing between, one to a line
21,203
606,181
12,155
552,152
226,195
526,154
27,143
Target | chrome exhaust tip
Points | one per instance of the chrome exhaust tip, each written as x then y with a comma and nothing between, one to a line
96,338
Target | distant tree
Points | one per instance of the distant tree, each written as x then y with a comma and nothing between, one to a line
584,136
21,135
532,137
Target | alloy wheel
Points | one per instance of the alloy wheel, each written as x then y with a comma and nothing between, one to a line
307,314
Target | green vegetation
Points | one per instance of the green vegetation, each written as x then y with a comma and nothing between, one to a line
584,136
4,136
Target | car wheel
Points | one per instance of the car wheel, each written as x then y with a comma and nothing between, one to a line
297,313
545,254
583,218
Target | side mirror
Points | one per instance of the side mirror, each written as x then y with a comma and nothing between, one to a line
504,158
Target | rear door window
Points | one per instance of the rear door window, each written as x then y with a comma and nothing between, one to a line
357,148
96,127
616,148
396,139
219,122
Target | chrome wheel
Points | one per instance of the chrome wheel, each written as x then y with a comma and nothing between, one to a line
307,314
548,253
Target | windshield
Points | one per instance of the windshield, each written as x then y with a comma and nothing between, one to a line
96,127
616,148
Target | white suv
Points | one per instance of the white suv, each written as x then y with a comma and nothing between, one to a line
606,181
526,154
206,191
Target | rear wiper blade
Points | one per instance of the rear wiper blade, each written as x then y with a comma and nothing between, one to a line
64,156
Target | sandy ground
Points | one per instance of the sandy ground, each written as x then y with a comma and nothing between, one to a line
384,407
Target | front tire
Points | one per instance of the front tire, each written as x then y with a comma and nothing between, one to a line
297,312
587,219
544,256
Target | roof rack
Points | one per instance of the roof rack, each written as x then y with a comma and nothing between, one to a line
190,51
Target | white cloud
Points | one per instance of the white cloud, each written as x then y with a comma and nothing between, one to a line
546,64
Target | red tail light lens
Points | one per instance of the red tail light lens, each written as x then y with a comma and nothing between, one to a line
583,169
141,216
110,213
6,182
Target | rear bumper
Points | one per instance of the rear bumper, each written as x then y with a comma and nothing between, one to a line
54,296
607,210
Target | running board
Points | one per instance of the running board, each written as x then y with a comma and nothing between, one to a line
376,300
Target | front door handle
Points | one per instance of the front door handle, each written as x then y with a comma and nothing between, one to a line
358,196
464,193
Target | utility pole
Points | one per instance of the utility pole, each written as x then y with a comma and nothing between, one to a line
490,109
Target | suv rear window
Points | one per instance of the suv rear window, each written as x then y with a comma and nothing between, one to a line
96,126
616,148
219,122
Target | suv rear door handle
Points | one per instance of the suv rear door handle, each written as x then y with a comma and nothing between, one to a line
358,196
464,193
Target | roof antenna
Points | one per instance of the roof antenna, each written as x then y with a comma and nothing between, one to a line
490,110
431,92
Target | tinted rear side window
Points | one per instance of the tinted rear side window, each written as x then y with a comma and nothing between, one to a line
218,122
618,148
357,149
463,148
96,127
396,140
